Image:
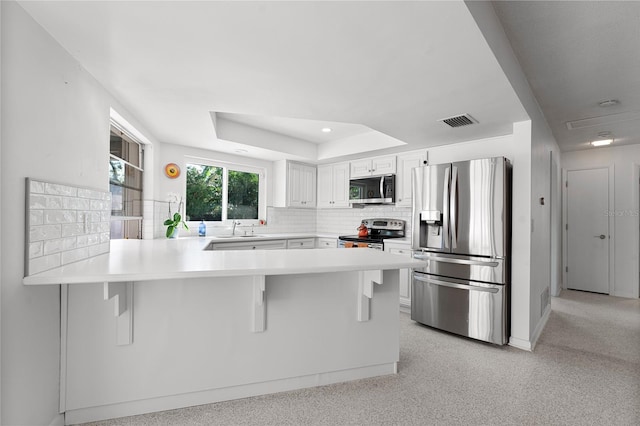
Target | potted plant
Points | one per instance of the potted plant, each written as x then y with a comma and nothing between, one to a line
173,222
172,225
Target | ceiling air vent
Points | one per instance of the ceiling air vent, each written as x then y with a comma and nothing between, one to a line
459,120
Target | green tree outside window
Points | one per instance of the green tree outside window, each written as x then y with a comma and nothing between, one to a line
205,193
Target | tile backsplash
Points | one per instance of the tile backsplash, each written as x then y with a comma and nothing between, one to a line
64,224
296,220
346,221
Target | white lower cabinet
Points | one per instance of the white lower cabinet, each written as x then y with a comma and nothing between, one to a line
250,245
326,243
301,243
296,243
405,274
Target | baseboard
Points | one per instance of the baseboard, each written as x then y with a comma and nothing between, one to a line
525,345
172,402
625,295
58,420
541,324
405,308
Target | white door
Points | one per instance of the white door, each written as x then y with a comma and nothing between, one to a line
588,230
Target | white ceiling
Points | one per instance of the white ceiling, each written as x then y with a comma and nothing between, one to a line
576,54
393,67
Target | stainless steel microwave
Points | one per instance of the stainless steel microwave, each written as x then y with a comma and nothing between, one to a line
373,190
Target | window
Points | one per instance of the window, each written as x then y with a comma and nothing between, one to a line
223,192
125,183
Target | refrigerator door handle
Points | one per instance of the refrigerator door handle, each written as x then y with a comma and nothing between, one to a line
445,208
457,261
454,207
488,288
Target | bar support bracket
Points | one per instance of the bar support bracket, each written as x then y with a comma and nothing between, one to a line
122,295
366,279
259,304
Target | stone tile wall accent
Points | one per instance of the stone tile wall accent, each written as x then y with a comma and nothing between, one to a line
64,224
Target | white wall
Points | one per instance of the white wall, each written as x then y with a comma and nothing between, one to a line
515,147
625,160
55,127
181,155
541,141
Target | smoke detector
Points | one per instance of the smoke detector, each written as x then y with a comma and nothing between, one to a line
459,120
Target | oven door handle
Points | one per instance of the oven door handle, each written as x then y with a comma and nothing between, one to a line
456,261
488,288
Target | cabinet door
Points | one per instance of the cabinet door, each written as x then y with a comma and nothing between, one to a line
405,277
327,243
294,184
309,186
340,185
301,243
302,185
383,165
360,168
325,186
251,245
406,162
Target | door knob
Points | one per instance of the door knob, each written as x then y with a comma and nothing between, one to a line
601,236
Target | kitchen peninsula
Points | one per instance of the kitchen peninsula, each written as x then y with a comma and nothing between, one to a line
161,324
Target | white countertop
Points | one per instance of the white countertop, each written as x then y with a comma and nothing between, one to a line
160,259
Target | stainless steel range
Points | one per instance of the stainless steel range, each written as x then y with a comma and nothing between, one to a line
377,231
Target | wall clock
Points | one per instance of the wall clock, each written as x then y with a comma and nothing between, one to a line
172,170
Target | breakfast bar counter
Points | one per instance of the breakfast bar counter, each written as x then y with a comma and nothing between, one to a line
165,259
161,324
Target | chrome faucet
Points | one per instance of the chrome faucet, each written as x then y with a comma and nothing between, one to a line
235,223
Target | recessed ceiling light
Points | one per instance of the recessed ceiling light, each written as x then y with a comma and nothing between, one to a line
326,130
608,103
602,142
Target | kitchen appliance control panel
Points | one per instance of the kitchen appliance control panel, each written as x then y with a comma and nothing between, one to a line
393,224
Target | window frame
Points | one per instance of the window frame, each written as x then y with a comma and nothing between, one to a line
226,166
115,127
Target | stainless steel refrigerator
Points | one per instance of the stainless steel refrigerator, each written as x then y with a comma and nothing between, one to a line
462,229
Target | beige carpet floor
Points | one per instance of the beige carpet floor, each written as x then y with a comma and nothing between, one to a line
585,370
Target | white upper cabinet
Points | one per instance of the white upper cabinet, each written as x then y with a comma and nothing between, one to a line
406,163
294,184
333,185
377,166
